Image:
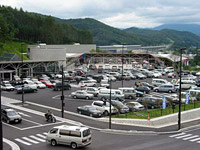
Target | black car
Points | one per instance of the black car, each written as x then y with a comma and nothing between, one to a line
58,86
98,78
10,116
197,83
26,90
89,111
148,85
143,89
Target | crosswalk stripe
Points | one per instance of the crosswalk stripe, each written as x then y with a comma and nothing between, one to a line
45,133
197,139
177,134
30,140
195,136
42,136
179,137
36,138
23,142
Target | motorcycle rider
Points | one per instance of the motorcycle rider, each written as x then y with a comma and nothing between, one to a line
48,115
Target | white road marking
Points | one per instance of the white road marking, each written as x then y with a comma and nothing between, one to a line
42,136
177,134
32,121
36,138
45,133
23,142
192,137
21,113
11,126
197,139
179,137
30,140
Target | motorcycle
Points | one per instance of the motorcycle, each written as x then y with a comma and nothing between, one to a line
50,118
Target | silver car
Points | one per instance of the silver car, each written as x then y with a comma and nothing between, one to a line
165,88
82,94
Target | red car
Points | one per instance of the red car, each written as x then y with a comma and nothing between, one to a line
47,83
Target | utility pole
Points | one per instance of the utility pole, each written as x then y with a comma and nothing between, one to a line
179,112
22,74
1,130
110,106
122,65
62,96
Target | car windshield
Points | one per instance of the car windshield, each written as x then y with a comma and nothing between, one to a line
8,85
11,113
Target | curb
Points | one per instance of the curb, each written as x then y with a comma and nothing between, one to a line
13,145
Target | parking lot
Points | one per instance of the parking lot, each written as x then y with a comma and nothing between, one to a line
53,98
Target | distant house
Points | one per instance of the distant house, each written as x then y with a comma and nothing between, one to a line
10,57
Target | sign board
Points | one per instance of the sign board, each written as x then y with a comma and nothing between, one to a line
164,102
187,98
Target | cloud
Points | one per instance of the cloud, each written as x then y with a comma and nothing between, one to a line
117,13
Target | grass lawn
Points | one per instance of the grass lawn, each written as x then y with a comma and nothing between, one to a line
154,113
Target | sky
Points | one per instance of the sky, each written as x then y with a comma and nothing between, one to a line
117,13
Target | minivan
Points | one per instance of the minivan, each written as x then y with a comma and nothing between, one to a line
157,82
75,136
165,88
129,93
115,94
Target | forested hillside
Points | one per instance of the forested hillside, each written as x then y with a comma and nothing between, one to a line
31,27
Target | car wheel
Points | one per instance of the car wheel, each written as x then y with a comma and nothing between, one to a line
144,92
106,113
53,142
118,99
79,112
130,97
156,90
87,97
91,115
152,107
73,145
170,91
75,97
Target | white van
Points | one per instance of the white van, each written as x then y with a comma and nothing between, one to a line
186,84
74,136
115,94
157,82
169,69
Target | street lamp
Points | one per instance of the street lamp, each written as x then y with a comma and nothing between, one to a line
122,65
180,71
110,105
22,54
62,96
1,130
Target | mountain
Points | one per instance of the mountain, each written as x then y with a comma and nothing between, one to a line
178,38
106,35
194,28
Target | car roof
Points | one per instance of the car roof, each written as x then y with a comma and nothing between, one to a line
72,128
8,109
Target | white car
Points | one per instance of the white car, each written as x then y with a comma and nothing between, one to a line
111,77
135,106
7,87
104,107
87,83
31,84
198,73
40,85
104,83
92,80
59,76
156,74
171,75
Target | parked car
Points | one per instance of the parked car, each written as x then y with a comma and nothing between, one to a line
157,74
104,83
58,86
82,94
7,87
120,106
87,83
89,110
25,90
165,88
100,69
92,90
197,83
10,116
134,106
129,93
143,89
157,82
59,76
29,83
148,85
115,94
104,107
47,83
171,75
40,85
139,75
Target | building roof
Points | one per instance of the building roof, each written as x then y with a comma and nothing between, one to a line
173,58
10,57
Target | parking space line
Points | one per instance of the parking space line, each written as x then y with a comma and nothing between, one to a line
23,142
36,138
29,140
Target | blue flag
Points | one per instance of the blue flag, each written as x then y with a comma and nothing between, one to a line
187,98
164,102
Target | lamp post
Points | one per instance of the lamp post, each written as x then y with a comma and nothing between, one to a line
62,96
122,65
110,105
1,130
180,71
22,74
